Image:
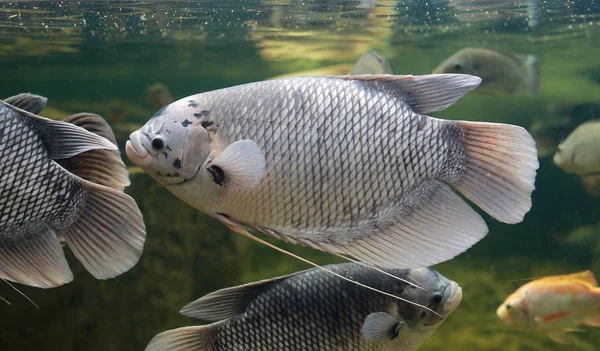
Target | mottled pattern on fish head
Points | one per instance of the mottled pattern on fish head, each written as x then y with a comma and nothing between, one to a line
438,294
174,144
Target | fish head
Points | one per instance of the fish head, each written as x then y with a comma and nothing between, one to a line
564,157
461,62
172,146
438,294
514,312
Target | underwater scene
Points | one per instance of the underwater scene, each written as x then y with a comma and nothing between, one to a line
121,207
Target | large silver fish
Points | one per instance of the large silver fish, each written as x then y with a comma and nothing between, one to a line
62,180
348,165
315,311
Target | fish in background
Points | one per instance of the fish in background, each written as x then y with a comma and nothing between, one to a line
371,62
62,181
500,72
554,305
158,96
580,153
315,311
348,165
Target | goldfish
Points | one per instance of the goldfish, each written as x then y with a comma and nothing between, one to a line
314,311
349,165
62,181
580,152
554,305
501,72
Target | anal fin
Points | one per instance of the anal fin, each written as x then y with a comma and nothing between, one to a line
436,231
37,261
196,338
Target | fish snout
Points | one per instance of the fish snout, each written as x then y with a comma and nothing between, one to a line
453,298
136,152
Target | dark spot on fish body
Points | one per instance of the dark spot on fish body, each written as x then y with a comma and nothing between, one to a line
217,174
177,163
192,104
186,123
423,315
203,113
165,154
206,124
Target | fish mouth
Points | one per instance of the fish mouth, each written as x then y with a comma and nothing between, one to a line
453,298
136,152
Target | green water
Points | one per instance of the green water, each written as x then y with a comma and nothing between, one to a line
101,57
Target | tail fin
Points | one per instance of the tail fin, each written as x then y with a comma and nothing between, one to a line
196,338
532,73
108,238
501,168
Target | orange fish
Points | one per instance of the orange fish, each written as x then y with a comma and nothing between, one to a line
554,305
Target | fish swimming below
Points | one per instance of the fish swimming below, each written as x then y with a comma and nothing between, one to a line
500,72
554,305
314,311
62,181
349,165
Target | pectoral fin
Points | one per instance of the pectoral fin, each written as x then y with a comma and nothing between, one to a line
380,326
240,165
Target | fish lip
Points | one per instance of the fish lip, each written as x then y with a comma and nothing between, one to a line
136,153
453,299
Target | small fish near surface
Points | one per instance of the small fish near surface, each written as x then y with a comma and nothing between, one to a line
62,181
314,311
500,72
554,305
349,165
580,152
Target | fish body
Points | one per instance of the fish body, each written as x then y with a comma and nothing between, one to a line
554,304
580,152
500,72
346,165
313,310
42,200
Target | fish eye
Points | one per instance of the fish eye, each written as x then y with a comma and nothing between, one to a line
457,67
158,142
508,307
436,298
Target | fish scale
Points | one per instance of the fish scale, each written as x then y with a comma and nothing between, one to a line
331,199
34,188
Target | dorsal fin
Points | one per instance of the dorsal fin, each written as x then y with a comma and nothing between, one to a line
425,93
585,276
229,302
29,102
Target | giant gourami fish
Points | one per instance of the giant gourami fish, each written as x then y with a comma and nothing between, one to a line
313,311
62,181
348,165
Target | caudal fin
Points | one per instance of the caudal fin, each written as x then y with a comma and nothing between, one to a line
108,238
196,338
501,168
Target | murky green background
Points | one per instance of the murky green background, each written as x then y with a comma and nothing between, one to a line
102,56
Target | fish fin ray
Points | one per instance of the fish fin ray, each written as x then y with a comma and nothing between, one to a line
425,93
228,302
195,338
585,276
29,102
39,261
104,167
501,169
380,326
108,237
63,139
242,164
438,230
